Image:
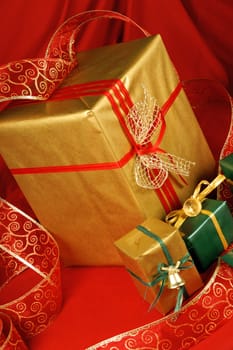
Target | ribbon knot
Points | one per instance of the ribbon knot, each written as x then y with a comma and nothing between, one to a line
153,164
193,205
168,274
144,149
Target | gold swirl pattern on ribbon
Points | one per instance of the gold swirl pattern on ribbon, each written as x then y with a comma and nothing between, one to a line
143,120
37,78
32,79
26,246
197,319
10,339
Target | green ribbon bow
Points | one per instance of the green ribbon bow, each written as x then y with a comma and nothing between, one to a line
162,275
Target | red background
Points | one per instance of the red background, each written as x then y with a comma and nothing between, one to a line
198,36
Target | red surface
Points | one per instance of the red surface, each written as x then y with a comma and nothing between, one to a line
101,302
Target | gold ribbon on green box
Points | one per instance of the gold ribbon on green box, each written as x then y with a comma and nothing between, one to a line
206,224
193,206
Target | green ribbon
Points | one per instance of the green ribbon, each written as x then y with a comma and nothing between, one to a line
162,275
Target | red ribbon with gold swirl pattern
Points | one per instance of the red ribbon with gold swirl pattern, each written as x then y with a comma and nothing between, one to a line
29,252
38,78
27,246
10,338
200,317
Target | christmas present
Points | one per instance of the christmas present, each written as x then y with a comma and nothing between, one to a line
117,140
207,225
30,294
209,233
159,263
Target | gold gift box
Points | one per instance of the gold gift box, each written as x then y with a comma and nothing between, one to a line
142,255
60,143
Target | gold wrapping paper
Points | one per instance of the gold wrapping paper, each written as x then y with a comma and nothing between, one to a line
142,255
87,210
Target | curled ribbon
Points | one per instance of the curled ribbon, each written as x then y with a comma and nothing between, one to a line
26,246
38,78
193,206
153,164
10,339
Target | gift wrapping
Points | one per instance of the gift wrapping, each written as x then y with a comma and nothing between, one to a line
118,140
209,233
206,223
144,255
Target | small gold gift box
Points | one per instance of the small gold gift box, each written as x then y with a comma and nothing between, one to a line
159,263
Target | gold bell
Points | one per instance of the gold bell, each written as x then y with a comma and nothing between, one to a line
174,279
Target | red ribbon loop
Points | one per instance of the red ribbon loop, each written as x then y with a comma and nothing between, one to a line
38,78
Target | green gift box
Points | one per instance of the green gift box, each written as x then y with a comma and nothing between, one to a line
209,233
226,165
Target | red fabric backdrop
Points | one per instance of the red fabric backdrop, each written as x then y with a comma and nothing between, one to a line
198,36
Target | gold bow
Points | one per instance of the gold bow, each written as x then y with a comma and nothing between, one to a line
193,205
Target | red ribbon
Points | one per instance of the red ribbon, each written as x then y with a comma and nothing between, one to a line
200,317
37,78
10,338
121,102
29,252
